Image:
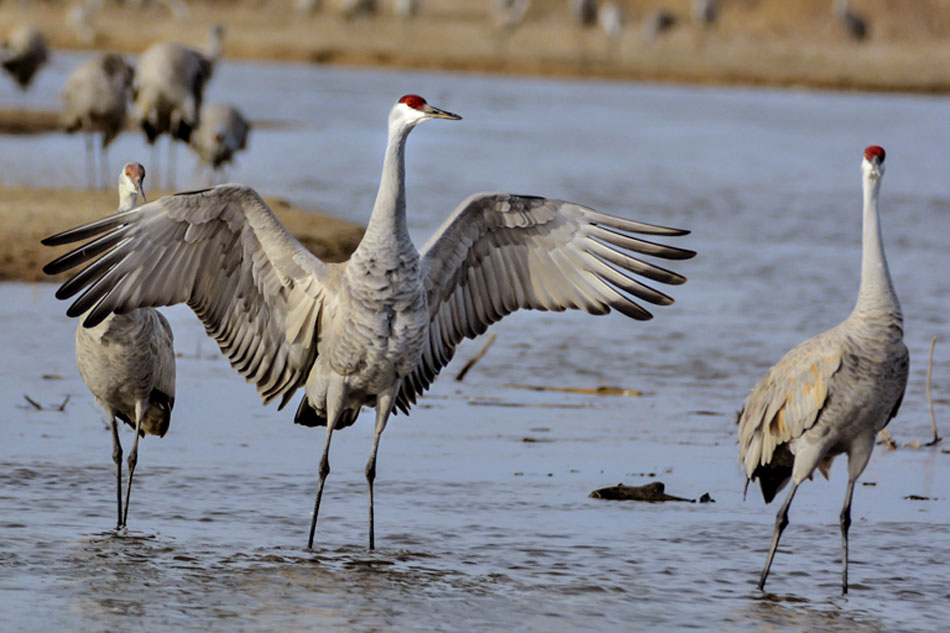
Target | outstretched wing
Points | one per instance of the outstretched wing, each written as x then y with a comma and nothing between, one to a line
788,400
222,251
498,252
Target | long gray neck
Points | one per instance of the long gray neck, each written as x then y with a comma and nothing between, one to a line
876,294
387,224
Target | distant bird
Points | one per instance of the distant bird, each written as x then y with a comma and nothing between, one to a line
834,392
657,22
351,9
81,17
95,99
308,6
222,132
128,362
23,52
377,329
612,18
583,13
406,9
855,26
508,15
704,12
169,88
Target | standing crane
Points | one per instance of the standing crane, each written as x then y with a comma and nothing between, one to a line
23,52
169,87
833,393
855,25
128,362
374,330
95,99
222,132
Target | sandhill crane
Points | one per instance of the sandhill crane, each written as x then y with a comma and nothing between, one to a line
81,16
23,52
95,99
351,9
612,18
222,132
704,12
169,87
657,22
406,9
583,13
834,392
508,15
128,363
377,329
855,26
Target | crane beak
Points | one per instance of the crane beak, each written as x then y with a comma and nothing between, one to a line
436,113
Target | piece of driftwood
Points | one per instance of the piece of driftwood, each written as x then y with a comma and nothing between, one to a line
474,359
599,391
652,492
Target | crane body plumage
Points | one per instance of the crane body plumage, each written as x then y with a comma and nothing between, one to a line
22,53
833,393
95,99
128,363
374,330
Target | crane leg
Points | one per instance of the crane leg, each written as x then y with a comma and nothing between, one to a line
117,458
781,522
104,166
133,459
845,524
336,396
155,167
90,162
384,405
170,176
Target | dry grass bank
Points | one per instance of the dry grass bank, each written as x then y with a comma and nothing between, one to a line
29,215
771,42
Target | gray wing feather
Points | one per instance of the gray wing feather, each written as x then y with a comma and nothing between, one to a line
223,252
498,253
788,400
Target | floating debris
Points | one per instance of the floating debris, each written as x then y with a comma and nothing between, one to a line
599,391
652,492
705,498
917,498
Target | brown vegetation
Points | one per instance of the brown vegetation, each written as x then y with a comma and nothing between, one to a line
776,42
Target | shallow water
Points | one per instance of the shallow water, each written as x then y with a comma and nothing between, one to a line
477,528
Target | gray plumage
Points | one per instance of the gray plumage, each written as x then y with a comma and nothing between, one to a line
704,12
833,393
22,53
657,22
583,13
128,363
222,132
855,26
377,329
169,86
95,99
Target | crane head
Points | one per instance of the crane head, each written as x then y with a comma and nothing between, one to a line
873,163
130,186
413,109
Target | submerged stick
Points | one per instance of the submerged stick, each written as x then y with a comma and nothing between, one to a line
930,400
474,359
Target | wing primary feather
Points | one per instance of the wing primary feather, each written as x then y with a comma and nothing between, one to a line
640,246
634,265
87,230
633,226
85,252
